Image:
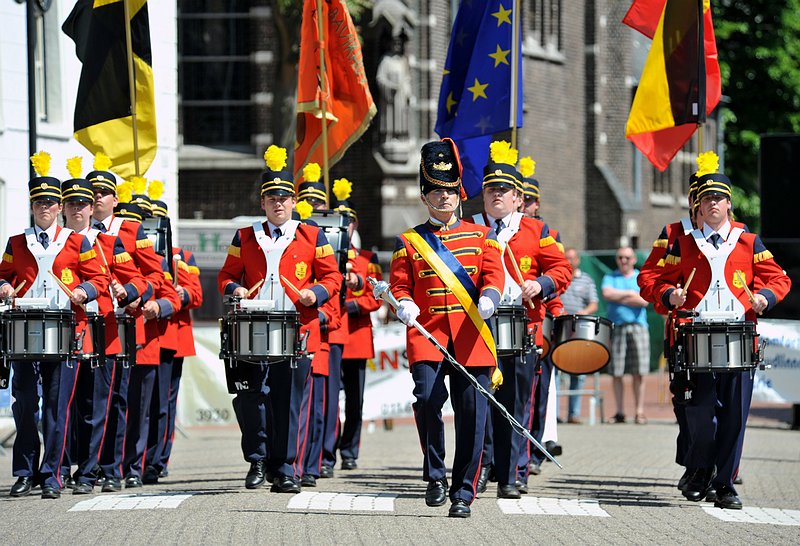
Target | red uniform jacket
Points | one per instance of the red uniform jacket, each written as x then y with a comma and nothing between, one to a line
307,262
359,304
749,256
189,279
539,258
76,266
411,278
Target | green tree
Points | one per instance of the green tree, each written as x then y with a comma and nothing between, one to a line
759,54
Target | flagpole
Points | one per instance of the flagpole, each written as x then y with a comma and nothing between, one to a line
701,74
323,91
131,84
514,71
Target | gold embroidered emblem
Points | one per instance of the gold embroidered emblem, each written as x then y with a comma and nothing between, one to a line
66,276
525,264
442,166
300,270
738,277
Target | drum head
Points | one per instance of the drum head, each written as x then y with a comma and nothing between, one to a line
580,357
545,347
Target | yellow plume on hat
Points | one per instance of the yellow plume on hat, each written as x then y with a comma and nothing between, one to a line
101,162
275,157
304,209
501,152
155,189
125,192
75,166
527,167
41,163
707,163
139,184
342,188
311,172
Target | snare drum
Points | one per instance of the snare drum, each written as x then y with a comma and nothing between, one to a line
547,334
260,336
707,347
581,344
38,334
92,343
510,328
126,331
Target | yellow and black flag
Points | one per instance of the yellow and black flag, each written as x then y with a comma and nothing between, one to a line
103,114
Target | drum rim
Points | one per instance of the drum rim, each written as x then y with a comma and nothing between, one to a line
587,318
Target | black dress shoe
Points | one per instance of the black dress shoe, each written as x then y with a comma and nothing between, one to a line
308,481
698,485
285,484
738,480
459,509
685,478
553,448
164,473
51,492
112,485
255,476
133,482
82,489
67,482
150,476
483,477
507,492
436,493
22,486
349,464
101,480
727,498
326,471
535,468
711,494
521,486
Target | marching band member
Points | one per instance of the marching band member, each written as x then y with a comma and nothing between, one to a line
358,346
91,401
30,263
734,278
277,251
447,275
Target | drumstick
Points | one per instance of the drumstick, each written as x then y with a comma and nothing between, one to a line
18,288
176,258
103,257
689,280
519,273
254,288
747,291
293,287
65,288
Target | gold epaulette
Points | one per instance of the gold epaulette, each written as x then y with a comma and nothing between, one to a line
194,270
374,268
324,251
88,255
761,256
493,243
8,258
168,276
402,253
122,258
672,260
144,243
234,251
660,243
547,241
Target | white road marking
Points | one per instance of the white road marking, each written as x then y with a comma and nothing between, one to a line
551,507
363,502
144,501
771,516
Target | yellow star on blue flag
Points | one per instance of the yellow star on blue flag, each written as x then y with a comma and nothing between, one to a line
475,97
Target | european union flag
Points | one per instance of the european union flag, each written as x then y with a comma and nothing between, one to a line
475,98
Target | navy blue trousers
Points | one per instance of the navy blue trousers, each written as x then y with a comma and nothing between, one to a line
514,394
470,409
716,417
112,453
140,393
275,406
159,412
175,383
314,409
57,390
353,378
537,409
333,384
90,405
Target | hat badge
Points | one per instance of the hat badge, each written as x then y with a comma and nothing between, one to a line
123,211
498,172
101,177
76,186
43,185
442,166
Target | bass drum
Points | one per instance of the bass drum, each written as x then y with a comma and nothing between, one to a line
547,334
581,343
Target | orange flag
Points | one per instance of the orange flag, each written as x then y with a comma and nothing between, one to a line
345,92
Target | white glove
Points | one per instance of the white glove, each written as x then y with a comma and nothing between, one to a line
407,312
485,307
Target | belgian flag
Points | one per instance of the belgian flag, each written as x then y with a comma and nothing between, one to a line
103,120
680,82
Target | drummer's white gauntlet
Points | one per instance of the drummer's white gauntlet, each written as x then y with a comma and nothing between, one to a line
485,307
407,312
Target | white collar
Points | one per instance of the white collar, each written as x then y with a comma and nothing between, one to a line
51,231
723,231
106,221
506,219
273,227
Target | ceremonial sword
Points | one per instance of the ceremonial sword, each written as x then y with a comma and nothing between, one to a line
381,292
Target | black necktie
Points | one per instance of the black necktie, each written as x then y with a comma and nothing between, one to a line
44,238
100,226
715,239
500,226
278,233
